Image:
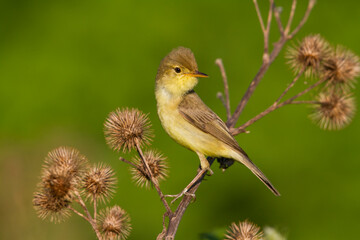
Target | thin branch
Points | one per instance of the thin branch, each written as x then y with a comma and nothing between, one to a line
265,66
132,164
161,236
95,207
220,96
304,19
152,179
278,20
267,32
274,106
290,86
305,102
86,210
232,121
226,101
259,15
291,17
78,213
304,92
186,200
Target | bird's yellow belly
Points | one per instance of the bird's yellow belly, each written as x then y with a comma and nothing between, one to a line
190,136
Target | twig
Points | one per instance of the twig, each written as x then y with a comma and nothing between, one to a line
265,65
267,32
95,207
161,236
90,219
152,179
226,101
133,165
220,96
259,15
274,106
278,20
291,17
290,86
78,213
304,19
304,92
178,214
265,29
305,102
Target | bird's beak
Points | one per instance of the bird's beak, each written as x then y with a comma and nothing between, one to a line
197,74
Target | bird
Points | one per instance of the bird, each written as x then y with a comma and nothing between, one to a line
189,121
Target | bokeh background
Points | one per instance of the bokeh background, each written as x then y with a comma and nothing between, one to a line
64,65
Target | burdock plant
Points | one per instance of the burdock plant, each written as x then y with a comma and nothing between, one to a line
67,179
245,230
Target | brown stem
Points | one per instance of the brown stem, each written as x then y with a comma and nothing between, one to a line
291,17
220,96
305,102
232,121
175,219
274,106
133,165
267,32
152,179
304,19
226,101
95,208
290,86
265,65
78,213
161,236
278,20
304,92
90,219
259,15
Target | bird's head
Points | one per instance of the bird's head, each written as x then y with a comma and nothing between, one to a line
178,72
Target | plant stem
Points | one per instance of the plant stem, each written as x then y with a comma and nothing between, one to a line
152,179
90,219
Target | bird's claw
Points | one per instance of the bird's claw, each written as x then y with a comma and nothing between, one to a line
177,196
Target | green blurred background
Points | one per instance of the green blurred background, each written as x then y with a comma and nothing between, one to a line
64,65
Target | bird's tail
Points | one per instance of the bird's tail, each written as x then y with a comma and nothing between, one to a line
244,159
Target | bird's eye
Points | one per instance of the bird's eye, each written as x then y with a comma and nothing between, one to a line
177,70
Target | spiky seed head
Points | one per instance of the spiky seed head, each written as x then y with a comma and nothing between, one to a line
114,223
50,207
99,182
335,110
63,169
60,178
341,68
157,164
308,54
66,159
125,128
59,183
245,230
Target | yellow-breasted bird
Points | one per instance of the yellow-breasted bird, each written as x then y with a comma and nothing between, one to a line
187,119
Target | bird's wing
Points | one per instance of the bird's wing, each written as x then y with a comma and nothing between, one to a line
201,116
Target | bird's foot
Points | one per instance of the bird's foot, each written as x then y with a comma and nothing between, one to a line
210,172
177,196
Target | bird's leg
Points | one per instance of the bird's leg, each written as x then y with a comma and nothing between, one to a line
205,166
204,163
